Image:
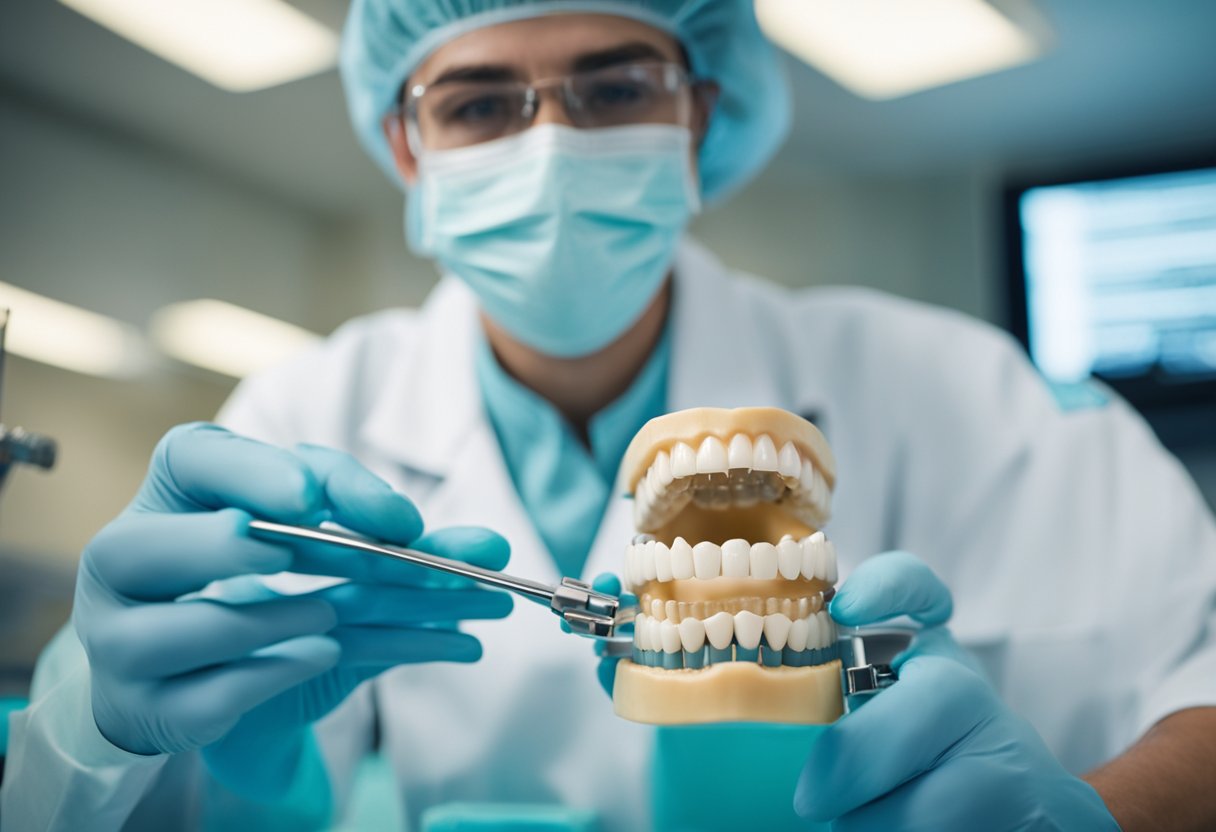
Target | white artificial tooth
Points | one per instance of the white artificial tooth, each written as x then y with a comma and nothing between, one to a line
815,602
825,628
640,552
785,537
662,469
711,456
654,634
789,464
662,561
736,558
814,634
833,635
683,460
798,633
819,492
776,630
739,451
789,558
764,561
692,634
812,556
804,607
669,635
831,571
656,609
719,629
635,567
772,606
806,477
764,454
652,481
672,611
648,572
640,631
748,629
681,560
787,608
707,560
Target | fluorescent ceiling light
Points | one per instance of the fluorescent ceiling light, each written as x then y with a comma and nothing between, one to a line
66,336
883,49
238,45
225,338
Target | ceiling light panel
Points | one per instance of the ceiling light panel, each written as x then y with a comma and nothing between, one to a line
237,45
224,338
52,332
881,49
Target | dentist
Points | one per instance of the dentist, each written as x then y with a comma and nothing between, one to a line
553,154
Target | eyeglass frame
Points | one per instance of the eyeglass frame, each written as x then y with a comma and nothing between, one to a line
406,109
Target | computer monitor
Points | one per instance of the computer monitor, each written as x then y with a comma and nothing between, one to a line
1114,276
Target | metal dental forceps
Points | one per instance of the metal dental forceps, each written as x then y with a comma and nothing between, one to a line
595,615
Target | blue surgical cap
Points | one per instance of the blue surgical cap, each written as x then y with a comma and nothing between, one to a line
386,40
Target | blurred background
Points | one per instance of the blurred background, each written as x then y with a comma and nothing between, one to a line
131,188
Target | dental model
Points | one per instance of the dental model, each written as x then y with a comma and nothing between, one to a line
731,571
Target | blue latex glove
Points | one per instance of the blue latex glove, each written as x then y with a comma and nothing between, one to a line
172,672
938,750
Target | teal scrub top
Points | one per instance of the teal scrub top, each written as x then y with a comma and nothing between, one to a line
564,484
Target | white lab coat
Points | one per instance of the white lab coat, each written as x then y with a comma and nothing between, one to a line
1081,557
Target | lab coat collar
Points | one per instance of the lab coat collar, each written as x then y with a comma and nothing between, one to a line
430,404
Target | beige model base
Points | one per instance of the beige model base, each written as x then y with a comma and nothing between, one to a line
728,692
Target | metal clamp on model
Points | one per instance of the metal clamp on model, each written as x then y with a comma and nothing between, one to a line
865,658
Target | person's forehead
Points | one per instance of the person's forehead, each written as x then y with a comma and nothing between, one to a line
544,45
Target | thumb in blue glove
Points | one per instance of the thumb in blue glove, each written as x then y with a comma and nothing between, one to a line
938,750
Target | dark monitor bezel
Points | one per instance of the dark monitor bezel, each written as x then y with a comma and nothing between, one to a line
1151,392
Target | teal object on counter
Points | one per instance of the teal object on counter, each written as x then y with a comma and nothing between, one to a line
508,817
8,706
729,776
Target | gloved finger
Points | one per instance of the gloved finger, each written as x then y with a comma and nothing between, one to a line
394,606
151,641
606,673
935,703
890,585
158,557
388,646
202,467
928,803
607,582
470,544
204,705
359,500
937,641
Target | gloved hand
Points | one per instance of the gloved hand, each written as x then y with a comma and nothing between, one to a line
938,750
172,671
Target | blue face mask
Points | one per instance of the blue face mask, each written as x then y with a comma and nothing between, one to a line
564,235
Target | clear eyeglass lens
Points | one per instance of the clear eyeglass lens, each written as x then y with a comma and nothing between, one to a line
463,113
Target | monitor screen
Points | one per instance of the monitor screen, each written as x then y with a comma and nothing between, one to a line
1119,278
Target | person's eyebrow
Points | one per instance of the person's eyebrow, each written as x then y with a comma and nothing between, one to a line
476,72
623,54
